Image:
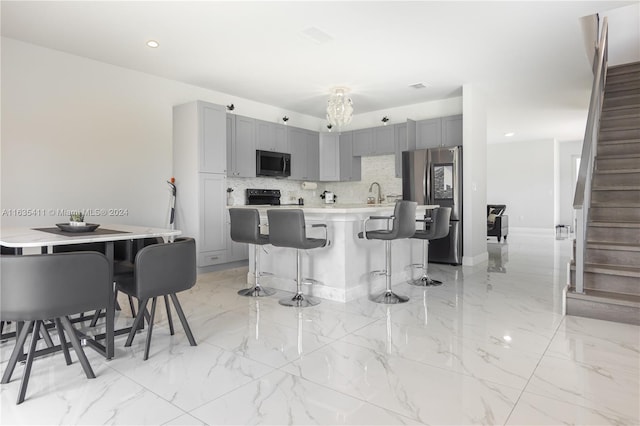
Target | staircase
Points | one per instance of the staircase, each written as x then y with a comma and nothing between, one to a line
612,260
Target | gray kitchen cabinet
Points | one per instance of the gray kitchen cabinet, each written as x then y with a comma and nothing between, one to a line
350,165
373,141
305,153
363,142
405,140
428,133
271,136
452,130
329,157
213,224
313,155
201,179
383,140
242,147
337,162
439,132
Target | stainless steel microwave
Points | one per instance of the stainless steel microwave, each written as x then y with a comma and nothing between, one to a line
274,164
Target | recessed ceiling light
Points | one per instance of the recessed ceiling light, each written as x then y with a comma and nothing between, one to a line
509,134
153,44
507,338
418,85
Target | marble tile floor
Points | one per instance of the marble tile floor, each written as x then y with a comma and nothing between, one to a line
490,346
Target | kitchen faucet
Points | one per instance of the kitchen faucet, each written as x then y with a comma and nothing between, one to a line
379,191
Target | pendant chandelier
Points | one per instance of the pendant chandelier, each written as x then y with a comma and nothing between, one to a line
339,107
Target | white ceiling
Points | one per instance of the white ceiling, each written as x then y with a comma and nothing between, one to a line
527,57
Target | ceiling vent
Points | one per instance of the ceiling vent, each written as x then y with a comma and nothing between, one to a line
418,85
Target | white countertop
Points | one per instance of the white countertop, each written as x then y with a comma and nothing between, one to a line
29,237
337,208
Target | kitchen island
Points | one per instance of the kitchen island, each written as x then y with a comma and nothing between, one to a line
342,270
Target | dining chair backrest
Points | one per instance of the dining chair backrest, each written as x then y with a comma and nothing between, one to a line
36,287
165,268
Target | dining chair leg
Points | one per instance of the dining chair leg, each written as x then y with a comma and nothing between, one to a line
142,307
63,341
95,318
44,333
150,330
166,304
183,319
133,309
17,352
75,342
27,368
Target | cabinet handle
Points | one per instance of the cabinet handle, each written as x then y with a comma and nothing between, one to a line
214,257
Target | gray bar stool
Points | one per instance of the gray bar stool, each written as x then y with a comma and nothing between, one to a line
245,228
287,229
438,228
404,226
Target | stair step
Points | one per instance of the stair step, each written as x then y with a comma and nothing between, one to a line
630,68
616,188
607,172
618,100
606,211
602,279
616,179
615,79
610,162
614,224
612,254
618,133
614,205
630,141
622,86
613,232
604,306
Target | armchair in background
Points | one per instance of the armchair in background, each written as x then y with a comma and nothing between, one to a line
497,221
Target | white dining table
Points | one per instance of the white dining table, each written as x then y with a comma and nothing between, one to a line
45,237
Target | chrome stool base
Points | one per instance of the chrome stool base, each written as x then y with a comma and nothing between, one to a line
425,281
300,301
257,291
389,298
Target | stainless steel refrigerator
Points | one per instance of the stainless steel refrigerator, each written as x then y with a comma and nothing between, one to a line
434,176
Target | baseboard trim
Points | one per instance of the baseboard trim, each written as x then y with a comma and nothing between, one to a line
514,230
475,260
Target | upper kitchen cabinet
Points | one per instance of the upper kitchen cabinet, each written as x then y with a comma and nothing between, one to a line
363,142
452,130
305,152
337,162
373,141
200,135
383,140
405,140
241,144
439,132
271,137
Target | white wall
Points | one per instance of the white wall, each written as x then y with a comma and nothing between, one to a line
568,152
521,175
474,178
81,134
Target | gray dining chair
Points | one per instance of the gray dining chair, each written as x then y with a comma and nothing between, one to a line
402,224
287,228
245,228
435,228
37,288
160,270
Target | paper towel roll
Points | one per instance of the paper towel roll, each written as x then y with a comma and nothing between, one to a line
309,185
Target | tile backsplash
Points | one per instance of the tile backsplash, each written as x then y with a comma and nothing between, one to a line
379,169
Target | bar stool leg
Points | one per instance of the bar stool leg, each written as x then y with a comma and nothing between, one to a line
425,280
257,290
389,297
299,300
